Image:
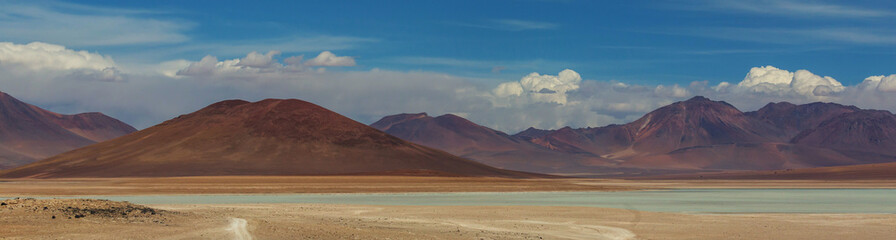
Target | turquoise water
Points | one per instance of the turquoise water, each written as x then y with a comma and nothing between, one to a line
676,200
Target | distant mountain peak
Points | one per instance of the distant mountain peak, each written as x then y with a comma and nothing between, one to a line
29,133
698,99
388,121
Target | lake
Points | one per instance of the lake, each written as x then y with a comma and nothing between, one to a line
675,200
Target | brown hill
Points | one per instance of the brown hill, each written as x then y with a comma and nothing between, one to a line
464,138
29,133
269,137
793,119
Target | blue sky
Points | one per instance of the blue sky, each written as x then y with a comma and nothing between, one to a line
482,43
634,41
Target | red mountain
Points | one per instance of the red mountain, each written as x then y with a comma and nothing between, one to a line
793,119
532,133
695,122
270,137
29,133
464,138
862,134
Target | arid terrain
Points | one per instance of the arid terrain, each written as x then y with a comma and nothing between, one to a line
291,184
378,184
326,221
114,220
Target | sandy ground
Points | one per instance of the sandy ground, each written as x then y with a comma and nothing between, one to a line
322,221
290,184
374,184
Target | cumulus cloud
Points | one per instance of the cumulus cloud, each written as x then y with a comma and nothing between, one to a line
257,60
541,88
38,56
328,59
774,81
879,83
58,61
255,63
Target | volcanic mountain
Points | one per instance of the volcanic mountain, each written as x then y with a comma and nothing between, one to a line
29,133
532,133
695,122
862,134
793,119
269,137
696,134
464,138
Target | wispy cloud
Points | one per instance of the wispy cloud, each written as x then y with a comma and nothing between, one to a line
78,25
511,25
793,8
798,35
492,66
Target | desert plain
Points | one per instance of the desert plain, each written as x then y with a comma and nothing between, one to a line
53,215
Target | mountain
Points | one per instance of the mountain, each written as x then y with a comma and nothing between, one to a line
532,133
694,135
29,133
269,137
464,138
695,122
793,119
862,133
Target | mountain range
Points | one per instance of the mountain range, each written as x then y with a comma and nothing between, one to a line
29,133
294,137
688,136
269,137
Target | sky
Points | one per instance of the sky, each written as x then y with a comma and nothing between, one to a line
508,65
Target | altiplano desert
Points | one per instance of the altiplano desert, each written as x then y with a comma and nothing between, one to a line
451,119
441,221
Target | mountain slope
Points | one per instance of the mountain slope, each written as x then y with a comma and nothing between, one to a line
464,138
862,133
269,137
695,122
793,119
29,133
701,134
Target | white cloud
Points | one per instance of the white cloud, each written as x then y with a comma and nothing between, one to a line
510,25
792,8
206,66
673,91
328,59
774,81
541,88
38,56
520,25
255,63
879,83
801,36
58,61
257,60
